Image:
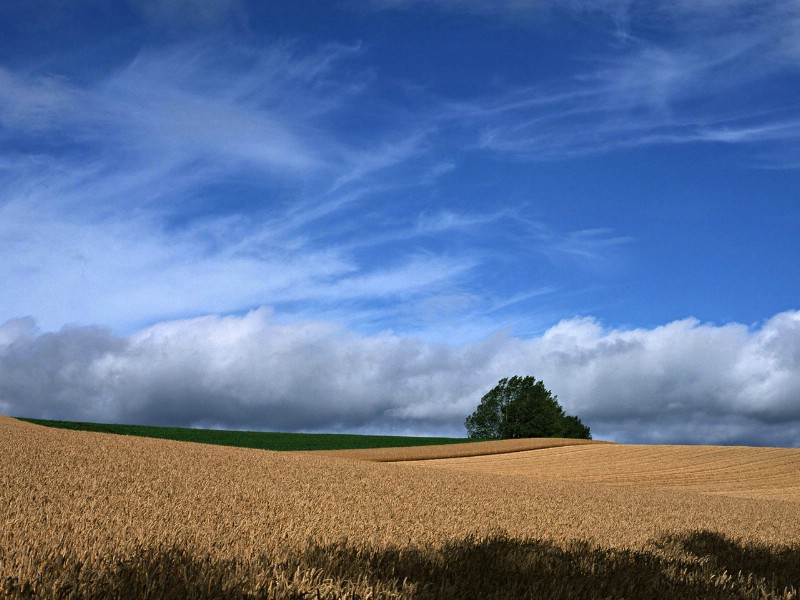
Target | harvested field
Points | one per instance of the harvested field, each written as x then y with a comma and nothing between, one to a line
767,473
100,515
456,450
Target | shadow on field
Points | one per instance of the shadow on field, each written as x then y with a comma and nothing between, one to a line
780,566
697,565
706,565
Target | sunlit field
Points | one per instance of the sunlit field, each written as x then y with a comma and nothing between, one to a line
766,473
85,514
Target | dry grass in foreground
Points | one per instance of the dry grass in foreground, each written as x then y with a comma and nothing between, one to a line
86,515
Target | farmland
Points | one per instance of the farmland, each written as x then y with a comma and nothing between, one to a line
86,514
463,450
769,473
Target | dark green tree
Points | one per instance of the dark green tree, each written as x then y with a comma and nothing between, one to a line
522,407
573,428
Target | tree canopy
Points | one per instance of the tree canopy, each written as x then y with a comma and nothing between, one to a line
522,407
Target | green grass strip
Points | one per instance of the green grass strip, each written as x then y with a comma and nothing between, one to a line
263,440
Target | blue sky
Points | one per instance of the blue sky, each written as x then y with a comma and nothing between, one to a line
428,194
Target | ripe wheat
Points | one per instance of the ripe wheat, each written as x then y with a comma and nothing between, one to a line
413,453
768,473
88,515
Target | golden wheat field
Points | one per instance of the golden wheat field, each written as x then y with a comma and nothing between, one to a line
415,453
88,515
766,473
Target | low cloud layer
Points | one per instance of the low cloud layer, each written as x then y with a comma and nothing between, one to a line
684,382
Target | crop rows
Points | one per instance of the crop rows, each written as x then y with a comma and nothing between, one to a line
467,449
767,473
100,515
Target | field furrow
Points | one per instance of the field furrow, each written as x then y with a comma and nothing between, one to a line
418,453
768,473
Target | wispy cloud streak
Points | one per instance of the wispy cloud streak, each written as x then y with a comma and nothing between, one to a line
698,83
118,206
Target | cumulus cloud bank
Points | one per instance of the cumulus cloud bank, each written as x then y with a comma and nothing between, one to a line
683,382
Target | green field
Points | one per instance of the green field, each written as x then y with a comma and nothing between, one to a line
263,440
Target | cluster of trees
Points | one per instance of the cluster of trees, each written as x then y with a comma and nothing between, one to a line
522,407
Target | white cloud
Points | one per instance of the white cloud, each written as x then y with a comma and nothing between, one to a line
779,131
128,273
32,102
684,382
